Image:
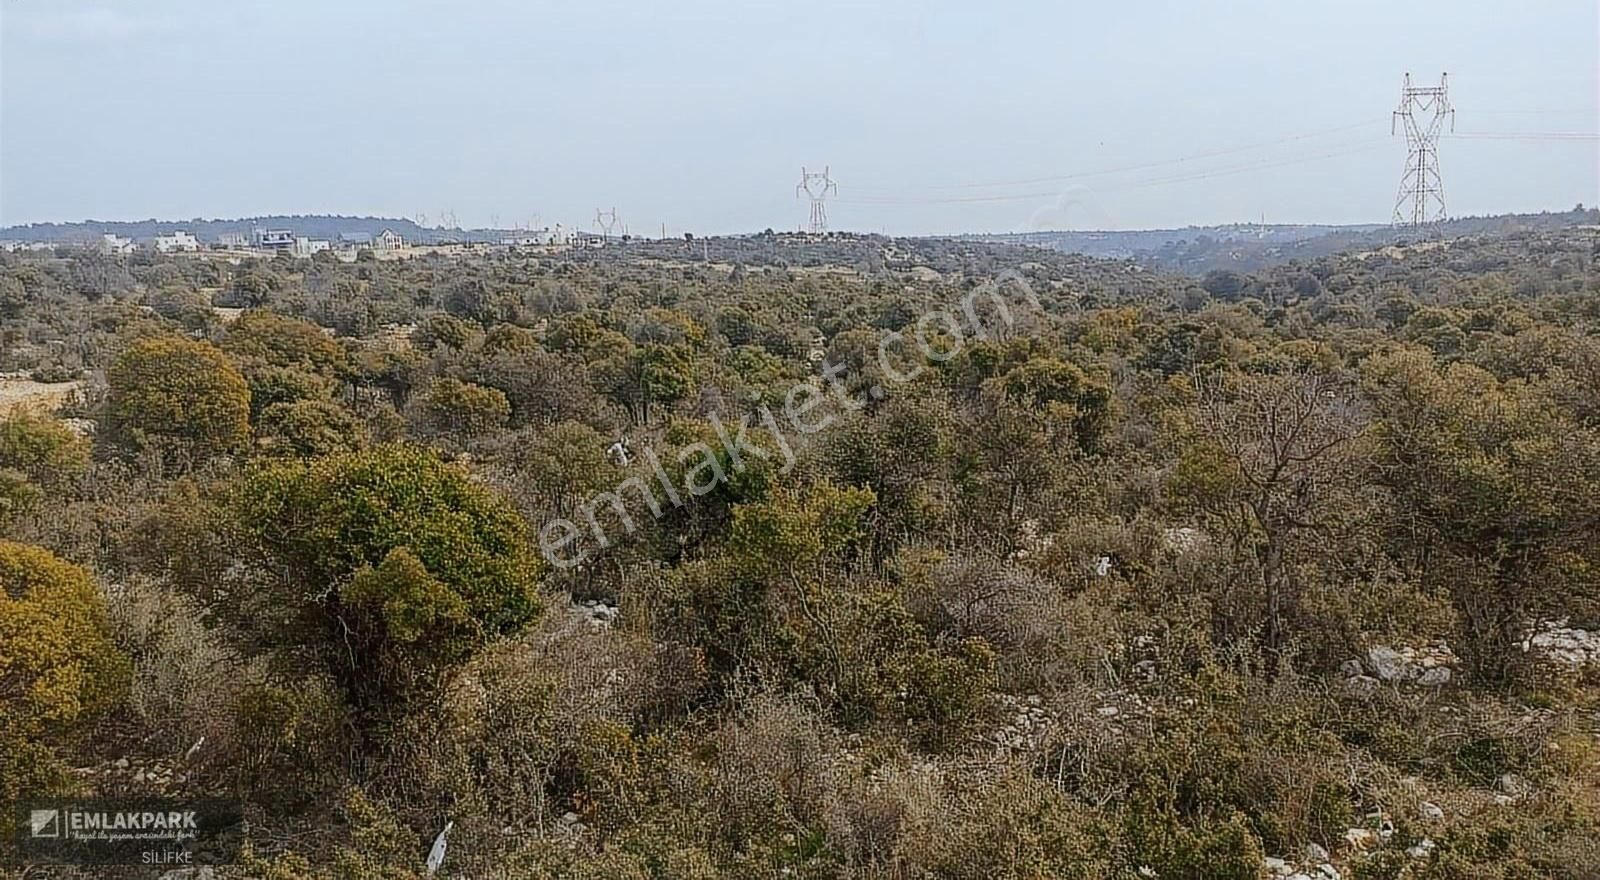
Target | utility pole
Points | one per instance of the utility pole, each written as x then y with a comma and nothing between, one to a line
1422,114
816,186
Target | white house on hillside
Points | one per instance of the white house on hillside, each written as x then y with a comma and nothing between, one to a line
115,244
177,241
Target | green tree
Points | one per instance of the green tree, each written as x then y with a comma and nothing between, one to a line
1499,497
59,668
282,341
180,396
309,429
383,620
452,408
1063,394
43,449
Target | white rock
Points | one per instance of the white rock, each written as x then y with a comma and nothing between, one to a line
1386,663
1108,711
1435,676
1513,785
1351,668
1421,850
1361,685
1316,853
1327,872
1431,810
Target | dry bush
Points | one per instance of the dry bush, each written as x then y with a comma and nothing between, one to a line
775,770
185,675
536,726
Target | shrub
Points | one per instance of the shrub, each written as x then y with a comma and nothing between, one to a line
39,446
400,562
282,341
178,396
58,666
450,407
309,429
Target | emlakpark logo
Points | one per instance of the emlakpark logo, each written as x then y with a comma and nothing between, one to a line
45,823
138,831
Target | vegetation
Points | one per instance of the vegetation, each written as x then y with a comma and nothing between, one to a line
635,563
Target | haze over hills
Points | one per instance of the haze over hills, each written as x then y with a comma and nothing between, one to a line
1192,249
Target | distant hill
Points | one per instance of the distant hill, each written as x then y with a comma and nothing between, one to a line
1241,247
1249,247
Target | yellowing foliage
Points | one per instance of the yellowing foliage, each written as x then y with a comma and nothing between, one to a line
58,665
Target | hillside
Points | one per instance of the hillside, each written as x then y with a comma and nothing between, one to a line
827,556
1247,247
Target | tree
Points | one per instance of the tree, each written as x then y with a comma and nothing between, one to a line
58,666
556,468
1280,453
1225,284
282,341
384,621
309,429
1062,393
452,408
180,396
43,449
1499,497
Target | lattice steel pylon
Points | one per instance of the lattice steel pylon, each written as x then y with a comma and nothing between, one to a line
816,186
1422,112
605,222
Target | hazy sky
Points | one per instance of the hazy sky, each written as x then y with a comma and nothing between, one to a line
699,115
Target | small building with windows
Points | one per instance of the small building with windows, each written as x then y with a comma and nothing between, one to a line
307,247
115,244
176,241
273,239
388,240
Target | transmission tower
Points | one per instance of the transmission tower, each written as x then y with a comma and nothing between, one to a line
1422,112
605,222
817,186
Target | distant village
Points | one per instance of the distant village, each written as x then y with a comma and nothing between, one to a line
385,245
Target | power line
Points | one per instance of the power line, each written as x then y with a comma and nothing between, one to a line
1178,160
1525,135
1350,149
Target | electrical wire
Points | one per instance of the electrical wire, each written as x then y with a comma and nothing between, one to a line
1350,149
1122,169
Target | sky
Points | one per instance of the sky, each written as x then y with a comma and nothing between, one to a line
931,117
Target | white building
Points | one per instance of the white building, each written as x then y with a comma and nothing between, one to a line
305,247
273,239
177,241
544,237
115,244
233,241
388,240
